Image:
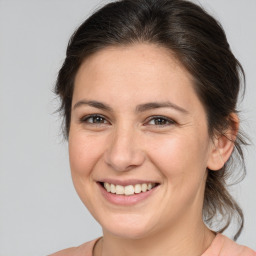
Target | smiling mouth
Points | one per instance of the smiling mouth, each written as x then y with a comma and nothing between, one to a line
128,190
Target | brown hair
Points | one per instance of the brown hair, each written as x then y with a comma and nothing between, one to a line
200,44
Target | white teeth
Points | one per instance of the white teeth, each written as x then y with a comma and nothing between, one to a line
119,190
107,186
129,189
144,187
113,188
149,186
137,188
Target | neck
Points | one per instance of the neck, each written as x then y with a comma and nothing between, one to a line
178,241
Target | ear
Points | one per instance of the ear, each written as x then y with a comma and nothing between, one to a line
223,144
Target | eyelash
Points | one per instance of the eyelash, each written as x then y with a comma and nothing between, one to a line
86,118
167,121
162,118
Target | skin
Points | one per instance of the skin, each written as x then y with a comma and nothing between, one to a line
125,144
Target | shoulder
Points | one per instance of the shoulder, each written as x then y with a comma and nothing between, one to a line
223,246
82,250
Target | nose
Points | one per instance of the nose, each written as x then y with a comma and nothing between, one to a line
125,150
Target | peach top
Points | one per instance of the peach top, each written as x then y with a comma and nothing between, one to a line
221,246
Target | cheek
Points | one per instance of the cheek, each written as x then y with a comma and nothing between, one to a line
181,160
84,152
179,155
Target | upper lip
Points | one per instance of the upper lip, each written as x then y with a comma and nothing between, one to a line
127,181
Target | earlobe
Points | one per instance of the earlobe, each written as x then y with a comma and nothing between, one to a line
223,145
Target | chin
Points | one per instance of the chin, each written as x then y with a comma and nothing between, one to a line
128,228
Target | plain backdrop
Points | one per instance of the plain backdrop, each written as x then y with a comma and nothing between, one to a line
39,210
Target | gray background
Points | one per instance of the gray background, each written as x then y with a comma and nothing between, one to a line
39,209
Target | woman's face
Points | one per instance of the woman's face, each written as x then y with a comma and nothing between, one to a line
135,120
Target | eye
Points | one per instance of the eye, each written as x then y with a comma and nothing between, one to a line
160,121
94,119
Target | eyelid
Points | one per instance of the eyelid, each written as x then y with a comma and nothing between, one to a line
169,120
84,119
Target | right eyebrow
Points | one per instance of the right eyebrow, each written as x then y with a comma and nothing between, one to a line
94,104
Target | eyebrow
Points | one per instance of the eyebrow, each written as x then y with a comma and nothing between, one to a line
154,105
93,103
140,108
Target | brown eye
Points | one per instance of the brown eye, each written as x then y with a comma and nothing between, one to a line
160,121
94,119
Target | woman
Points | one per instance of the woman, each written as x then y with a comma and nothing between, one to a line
149,91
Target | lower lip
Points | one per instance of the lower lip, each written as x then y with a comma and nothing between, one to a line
125,200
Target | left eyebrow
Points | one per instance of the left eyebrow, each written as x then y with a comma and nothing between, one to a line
154,105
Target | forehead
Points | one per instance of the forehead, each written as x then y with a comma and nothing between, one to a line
143,72
135,58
